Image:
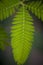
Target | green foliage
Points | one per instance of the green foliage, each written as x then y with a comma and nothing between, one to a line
36,7
3,38
7,8
10,3
22,31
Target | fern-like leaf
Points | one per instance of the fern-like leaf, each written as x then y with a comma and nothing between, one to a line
22,31
7,8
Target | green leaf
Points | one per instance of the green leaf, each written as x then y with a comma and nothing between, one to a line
22,31
7,8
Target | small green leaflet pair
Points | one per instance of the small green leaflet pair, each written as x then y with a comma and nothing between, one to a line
22,35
